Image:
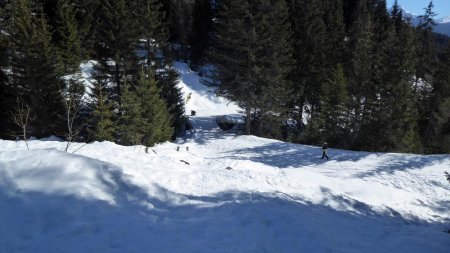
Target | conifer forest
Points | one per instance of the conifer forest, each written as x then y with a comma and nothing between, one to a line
353,73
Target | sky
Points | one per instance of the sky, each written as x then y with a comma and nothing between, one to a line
441,7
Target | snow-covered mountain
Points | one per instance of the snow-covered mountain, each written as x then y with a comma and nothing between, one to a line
216,191
442,24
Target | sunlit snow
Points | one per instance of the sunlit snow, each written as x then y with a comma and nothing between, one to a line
221,192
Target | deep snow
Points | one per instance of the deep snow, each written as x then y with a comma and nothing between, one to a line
277,197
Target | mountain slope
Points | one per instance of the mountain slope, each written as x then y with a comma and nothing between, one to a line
442,24
219,193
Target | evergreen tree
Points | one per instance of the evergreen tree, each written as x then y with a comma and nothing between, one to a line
401,126
130,122
102,125
425,70
157,56
252,56
70,53
438,129
376,93
157,125
34,68
309,73
200,36
117,39
335,104
360,72
68,42
5,89
337,48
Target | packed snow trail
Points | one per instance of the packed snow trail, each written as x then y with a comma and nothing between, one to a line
277,197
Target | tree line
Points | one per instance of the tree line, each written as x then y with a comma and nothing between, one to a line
352,73
132,98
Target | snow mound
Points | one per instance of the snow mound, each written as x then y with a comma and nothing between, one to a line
54,172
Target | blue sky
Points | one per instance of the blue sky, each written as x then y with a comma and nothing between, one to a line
441,7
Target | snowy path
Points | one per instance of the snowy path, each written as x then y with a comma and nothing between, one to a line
277,197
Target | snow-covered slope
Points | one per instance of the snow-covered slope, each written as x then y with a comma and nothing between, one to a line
219,193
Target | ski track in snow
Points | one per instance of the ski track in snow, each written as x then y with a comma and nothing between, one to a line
277,197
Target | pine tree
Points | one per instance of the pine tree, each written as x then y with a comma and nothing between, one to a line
34,68
157,125
5,89
425,70
360,72
400,131
102,125
70,53
117,39
335,104
68,42
130,122
158,58
426,51
309,73
252,56
200,36
376,93
337,48
438,129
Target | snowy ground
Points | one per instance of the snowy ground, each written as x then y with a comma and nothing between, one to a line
277,197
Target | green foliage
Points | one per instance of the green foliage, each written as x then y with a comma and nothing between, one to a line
201,29
252,55
102,123
144,117
157,121
34,67
68,37
157,58
117,39
334,113
309,51
130,122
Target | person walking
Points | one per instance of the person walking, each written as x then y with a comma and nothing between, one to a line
324,150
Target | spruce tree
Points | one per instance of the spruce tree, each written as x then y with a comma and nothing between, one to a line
117,39
425,70
252,56
34,68
335,109
130,121
438,129
309,51
376,93
201,29
68,42
158,58
336,45
6,102
102,119
360,72
157,125
70,52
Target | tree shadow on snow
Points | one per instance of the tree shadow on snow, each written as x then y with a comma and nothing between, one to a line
285,155
165,221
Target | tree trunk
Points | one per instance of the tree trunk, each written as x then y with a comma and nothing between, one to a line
248,121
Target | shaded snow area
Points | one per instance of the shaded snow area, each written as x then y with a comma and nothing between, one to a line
219,193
